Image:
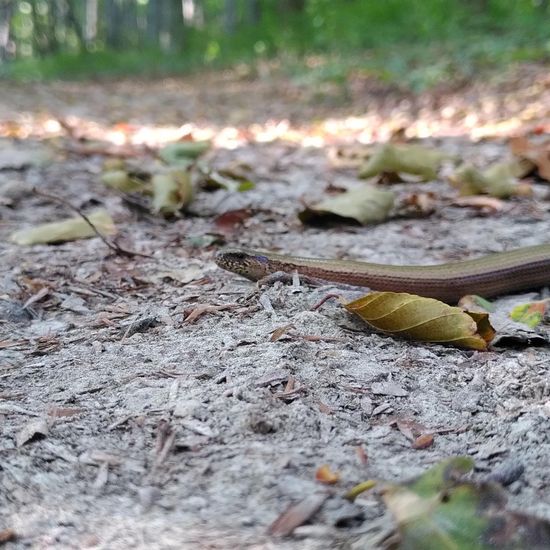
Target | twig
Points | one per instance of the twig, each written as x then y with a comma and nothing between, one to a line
117,249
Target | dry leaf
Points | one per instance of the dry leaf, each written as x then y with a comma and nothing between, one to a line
363,205
325,475
499,180
71,229
123,181
296,514
172,191
423,441
7,535
538,155
423,319
482,202
404,159
183,153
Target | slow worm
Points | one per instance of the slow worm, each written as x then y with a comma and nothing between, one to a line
492,275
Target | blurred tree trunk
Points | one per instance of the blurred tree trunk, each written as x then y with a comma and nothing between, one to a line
253,11
153,22
296,5
230,16
6,11
72,19
177,25
44,31
90,33
113,17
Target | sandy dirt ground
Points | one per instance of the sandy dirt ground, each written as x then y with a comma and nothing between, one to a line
124,424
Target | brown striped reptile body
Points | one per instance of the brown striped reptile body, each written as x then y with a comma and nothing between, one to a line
501,273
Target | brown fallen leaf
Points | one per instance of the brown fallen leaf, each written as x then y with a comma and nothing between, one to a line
423,441
7,535
279,332
202,309
483,202
64,412
296,515
423,319
538,154
231,221
325,475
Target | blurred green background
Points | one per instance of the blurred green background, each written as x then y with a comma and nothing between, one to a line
416,43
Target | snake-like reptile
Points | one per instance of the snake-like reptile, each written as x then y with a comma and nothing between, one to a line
501,273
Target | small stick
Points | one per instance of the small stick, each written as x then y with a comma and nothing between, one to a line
117,249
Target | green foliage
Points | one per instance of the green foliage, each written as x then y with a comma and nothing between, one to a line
417,43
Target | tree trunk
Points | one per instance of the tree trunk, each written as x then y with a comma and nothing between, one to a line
6,11
253,11
230,16
90,32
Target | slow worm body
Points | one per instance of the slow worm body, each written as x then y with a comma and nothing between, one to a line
492,275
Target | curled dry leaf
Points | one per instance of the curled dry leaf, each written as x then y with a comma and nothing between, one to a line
325,475
404,159
423,441
537,155
296,514
71,229
121,180
423,319
498,180
363,205
172,191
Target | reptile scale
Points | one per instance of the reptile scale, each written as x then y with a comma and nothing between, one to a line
501,273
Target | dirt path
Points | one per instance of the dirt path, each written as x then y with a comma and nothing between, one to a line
164,433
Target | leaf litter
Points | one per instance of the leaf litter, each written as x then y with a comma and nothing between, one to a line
238,478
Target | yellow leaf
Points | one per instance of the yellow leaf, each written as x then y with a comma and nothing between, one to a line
121,181
498,180
408,159
423,319
172,191
182,153
363,205
67,230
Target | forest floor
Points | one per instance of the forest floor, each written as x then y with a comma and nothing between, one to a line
125,423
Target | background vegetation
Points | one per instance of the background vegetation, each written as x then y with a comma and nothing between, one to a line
416,42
